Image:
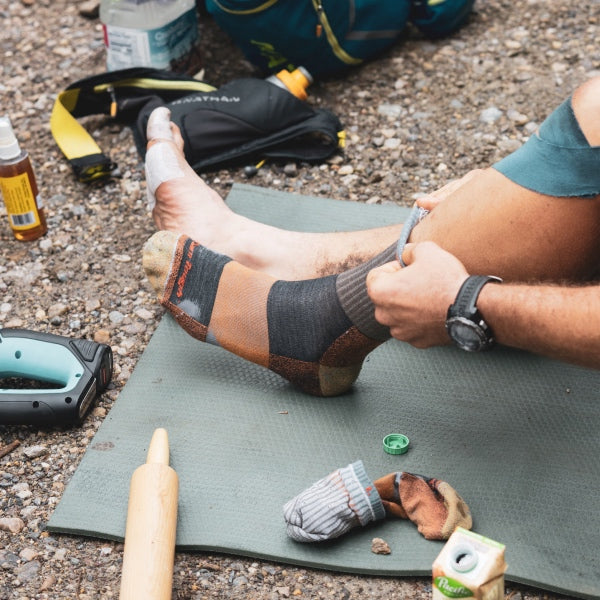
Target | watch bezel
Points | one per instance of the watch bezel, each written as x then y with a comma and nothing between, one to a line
480,328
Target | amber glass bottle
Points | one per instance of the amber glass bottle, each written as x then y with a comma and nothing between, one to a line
19,188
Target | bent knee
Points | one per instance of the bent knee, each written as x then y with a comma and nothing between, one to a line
586,106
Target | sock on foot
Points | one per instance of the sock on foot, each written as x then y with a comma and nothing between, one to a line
314,333
347,498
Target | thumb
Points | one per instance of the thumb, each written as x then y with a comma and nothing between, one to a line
422,251
378,275
408,254
389,267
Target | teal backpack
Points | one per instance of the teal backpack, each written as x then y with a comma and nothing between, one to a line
328,36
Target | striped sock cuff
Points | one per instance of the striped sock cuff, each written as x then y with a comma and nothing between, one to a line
417,214
351,289
333,505
364,497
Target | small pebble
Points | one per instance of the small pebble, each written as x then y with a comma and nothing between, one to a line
11,524
380,546
35,451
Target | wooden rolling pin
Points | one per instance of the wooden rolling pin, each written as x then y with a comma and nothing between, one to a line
149,551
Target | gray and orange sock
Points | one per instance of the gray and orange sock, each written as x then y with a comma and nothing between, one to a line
348,498
314,333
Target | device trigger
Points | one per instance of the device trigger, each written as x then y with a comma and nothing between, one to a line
85,348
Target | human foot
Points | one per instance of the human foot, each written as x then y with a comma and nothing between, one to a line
179,199
314,333
182,202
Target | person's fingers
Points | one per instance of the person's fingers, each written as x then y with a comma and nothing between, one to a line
378,273
390,267
378,281
408,254
430,201
422,251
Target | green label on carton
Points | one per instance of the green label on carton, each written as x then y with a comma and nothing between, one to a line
452,588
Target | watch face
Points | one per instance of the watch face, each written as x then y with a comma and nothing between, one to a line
466,334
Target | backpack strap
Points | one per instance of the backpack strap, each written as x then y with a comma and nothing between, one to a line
119,94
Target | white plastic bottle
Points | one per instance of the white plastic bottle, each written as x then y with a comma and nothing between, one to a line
161,34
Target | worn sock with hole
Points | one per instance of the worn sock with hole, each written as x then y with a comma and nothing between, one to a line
314,333
347,498
432,505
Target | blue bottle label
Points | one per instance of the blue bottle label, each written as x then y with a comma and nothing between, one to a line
158,48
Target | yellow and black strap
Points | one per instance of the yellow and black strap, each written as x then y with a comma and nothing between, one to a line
104,94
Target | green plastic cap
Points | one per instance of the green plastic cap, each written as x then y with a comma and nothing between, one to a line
395,443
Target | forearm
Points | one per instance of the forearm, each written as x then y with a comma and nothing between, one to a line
557,321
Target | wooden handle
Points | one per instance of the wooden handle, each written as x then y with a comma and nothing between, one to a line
150,533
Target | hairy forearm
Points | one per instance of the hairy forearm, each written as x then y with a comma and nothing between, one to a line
557,321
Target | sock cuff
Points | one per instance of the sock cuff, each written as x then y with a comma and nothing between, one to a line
415,217
364,497
352,292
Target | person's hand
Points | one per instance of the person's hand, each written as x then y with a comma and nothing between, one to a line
413,301
430,201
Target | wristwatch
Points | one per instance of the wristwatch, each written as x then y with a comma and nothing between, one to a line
464,323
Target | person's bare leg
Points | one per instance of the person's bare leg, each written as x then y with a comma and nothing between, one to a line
185,204
515,233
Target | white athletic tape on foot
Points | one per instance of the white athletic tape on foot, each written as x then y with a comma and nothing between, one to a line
159,124
161,165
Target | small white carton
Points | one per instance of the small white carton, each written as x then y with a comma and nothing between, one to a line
469,566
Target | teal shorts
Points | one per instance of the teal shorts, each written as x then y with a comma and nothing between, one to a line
557,160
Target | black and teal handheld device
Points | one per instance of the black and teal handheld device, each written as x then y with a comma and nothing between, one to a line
64,377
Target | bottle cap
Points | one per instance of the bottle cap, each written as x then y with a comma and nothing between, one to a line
296,82
9,146
395,443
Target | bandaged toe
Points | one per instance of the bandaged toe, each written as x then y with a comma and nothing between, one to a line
431,504
333,505
161,161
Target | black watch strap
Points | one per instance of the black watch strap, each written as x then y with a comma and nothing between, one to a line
465,304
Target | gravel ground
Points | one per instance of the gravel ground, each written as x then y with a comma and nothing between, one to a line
425,113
